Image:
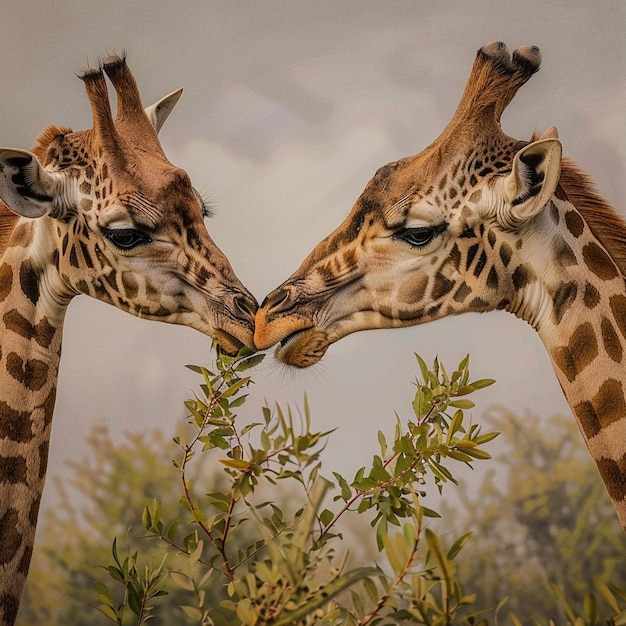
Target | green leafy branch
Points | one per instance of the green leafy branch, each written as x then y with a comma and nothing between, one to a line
433,436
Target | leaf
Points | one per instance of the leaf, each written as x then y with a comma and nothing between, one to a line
591,609
410,536
482,383
462,404
115,573
252,361
108,612
442,562
370,589
192,611
196,554
346,492
326,517
459,456
182,580
423,367
383,443
238,401
235,387
477,453
564,603
394,556
605,592
480,439
457,546
103,594
134,598
249,427
236,463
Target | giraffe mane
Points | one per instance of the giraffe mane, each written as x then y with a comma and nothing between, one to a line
8,219
604,222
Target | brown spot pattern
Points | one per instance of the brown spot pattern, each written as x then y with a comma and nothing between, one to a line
523,276
6,280
48,406
25,560
478,304
32,373
506,252
480,264
462,292
612,474
574,223
591,297
29,282
13,469
441,286
14,425
492,278
599,262
11,537
562,299
605,408
43,332
611,341
43,461
563,254
131,285
581,350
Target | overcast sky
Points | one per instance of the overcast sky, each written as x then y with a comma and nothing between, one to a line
289,108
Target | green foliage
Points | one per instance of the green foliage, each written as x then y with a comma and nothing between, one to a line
243,528
102,497
139,589
277,567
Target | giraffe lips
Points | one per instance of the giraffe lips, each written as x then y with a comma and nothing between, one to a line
285,340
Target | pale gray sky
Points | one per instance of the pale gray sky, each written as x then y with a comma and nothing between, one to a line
289,108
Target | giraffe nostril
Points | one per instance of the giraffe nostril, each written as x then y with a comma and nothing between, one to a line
245,305
277,299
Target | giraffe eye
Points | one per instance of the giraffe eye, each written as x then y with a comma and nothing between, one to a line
125,238
421,236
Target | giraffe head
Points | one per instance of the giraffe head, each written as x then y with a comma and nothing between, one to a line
113,218
414,246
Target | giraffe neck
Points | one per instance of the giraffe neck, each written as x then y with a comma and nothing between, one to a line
578,306
31,326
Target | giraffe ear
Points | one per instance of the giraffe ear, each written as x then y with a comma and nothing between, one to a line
25,187
160,111
533,180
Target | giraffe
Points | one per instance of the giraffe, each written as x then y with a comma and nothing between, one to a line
99,212
479,221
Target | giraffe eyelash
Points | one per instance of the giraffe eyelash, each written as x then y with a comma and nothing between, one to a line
205,204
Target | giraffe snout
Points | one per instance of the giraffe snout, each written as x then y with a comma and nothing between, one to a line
273,321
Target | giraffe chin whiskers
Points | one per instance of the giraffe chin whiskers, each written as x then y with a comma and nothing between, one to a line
303,348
